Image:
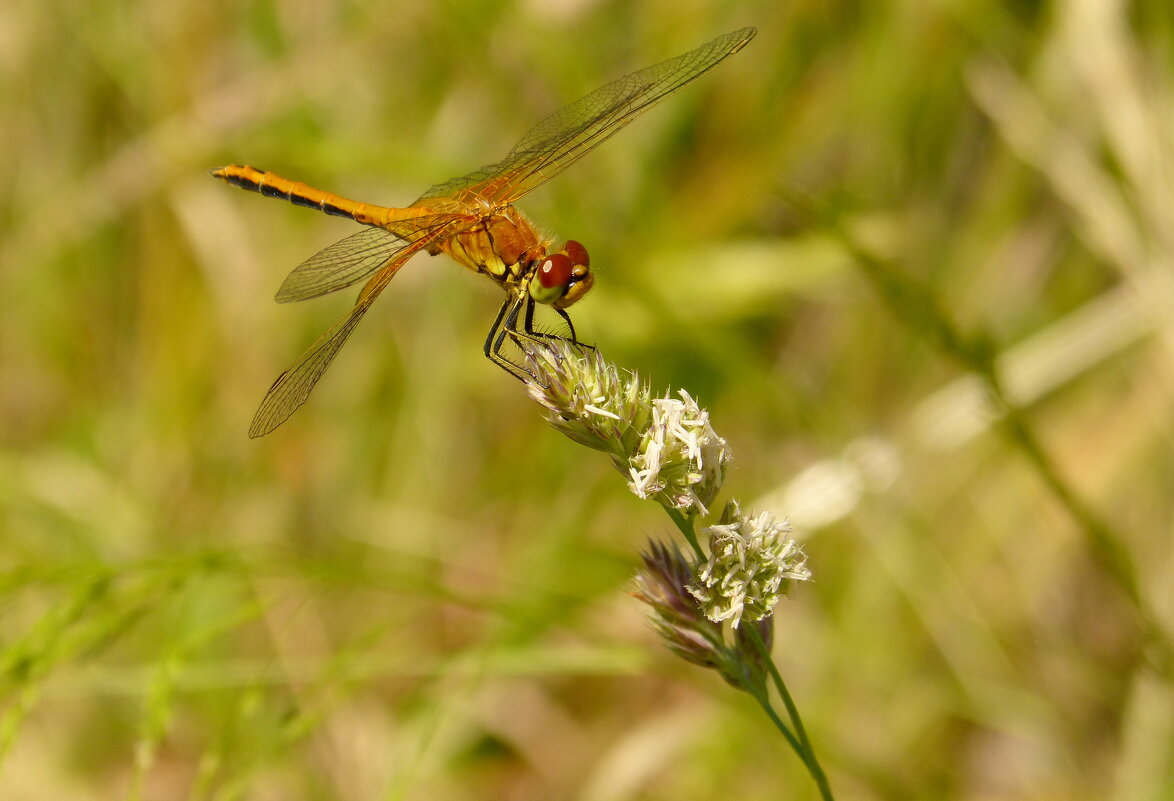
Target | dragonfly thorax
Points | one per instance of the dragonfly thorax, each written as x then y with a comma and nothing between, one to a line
505,246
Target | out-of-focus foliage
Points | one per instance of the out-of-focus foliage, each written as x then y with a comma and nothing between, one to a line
415,589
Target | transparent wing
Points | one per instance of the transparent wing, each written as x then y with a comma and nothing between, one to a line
350,260
293,387
559,140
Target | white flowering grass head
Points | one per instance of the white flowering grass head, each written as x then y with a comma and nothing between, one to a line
586,397
664,446
753,562
663,584
668,452
681,461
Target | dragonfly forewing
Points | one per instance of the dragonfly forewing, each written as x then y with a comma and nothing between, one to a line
562,138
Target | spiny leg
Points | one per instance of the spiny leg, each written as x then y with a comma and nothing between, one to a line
493,329
574,337
528,329
505,324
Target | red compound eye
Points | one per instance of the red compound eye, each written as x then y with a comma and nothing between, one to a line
577,252
556,270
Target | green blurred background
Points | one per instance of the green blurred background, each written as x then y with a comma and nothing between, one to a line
415,588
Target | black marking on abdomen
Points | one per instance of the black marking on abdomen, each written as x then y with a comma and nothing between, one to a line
294,196
299,200
242,182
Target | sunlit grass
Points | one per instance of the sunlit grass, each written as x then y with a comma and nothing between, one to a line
843,242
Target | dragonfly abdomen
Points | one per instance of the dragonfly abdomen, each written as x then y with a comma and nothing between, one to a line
273,185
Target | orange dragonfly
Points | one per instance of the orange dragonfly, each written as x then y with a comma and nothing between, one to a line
471,218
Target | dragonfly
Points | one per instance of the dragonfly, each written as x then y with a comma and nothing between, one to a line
472,219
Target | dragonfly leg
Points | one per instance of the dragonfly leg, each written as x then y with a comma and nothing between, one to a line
528,324
528,328
529,332
506,325
574,337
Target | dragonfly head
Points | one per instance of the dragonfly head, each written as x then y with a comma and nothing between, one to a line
564,277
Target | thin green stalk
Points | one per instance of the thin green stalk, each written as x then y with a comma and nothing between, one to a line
759,694
805,756
811,760
684,524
